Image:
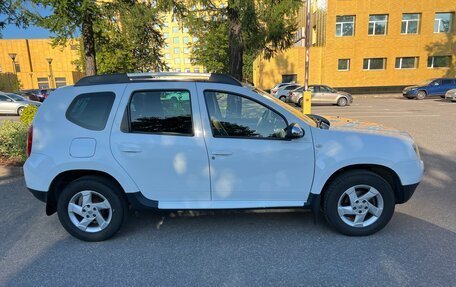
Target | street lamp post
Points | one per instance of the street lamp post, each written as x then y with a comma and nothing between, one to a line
51,75
307,96
13,58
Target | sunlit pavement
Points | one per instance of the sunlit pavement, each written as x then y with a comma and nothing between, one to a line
272,248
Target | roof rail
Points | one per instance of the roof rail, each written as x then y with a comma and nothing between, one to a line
147,77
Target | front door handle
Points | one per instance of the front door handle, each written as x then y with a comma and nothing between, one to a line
221,153
129,148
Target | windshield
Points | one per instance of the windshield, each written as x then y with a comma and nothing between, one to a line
15,97
289,108
425,83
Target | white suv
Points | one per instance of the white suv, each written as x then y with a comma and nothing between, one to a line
205,141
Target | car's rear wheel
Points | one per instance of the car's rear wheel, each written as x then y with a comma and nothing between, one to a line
92,208
283,98
358,203
342,102
420,95
20,110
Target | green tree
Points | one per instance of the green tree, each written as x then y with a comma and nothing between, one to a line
12,12
68,18
240,31
131,38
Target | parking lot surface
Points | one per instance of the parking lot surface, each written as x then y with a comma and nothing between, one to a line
255,248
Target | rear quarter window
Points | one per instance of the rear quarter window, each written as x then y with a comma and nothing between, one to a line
91,111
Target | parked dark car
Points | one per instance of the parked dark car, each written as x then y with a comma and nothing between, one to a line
432,87
29,94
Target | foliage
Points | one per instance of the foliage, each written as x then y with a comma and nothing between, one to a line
233,35
28,114
13,136
9,82
131,39
12,12
117,36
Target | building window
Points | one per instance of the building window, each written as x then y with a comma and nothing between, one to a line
185,40
60,82
167,56
196,70
374,64
186,60
177,61
166,35
176,40
17,67
176,51
43,83
186,50
194,39
378,24
177,70
185,30
166,47
442,22
345,25
410,23
187,70
406,63
175,29
439,61
291,78
343,65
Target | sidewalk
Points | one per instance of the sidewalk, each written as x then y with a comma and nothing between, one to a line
10,171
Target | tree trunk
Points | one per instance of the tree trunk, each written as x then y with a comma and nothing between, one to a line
89,45
235,42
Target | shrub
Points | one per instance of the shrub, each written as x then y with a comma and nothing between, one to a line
13,136
28,114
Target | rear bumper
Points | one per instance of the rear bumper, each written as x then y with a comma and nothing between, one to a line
406,194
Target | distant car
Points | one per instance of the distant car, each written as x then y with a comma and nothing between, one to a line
14,104
432,87
29,94
283,91
321,94
451,95
276,88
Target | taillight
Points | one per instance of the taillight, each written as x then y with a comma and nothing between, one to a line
29,140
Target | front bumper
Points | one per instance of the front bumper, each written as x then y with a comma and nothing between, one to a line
410,94
406,194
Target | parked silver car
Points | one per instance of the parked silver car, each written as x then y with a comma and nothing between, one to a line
14,104
321,94
451,95
283,91
276,88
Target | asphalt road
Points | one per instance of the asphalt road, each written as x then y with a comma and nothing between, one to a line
256,248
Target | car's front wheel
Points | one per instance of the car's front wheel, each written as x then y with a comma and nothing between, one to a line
420,95
358,203
92,208
283,98
342,102
20,110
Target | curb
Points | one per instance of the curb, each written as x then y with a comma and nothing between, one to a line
377,96
10,171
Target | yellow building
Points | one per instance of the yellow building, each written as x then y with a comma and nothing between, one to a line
38,64
369,45
177,46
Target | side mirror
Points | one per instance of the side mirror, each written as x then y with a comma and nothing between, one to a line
294,131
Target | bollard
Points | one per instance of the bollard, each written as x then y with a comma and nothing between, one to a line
307,102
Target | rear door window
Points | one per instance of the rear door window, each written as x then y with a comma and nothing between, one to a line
91,111
163,112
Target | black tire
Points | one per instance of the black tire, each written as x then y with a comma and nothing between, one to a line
347,180
104,187
300,102
342,102
420,95
20,110
283,99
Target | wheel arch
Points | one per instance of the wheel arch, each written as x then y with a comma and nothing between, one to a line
64,178
385,172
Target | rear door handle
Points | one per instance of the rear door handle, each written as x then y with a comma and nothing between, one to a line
129,148
221,153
